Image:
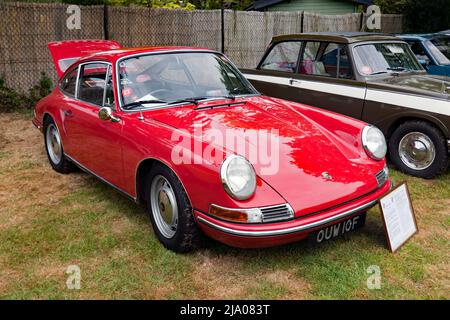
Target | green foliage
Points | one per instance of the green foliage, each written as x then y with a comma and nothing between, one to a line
391,6
217,4
420,16
10,100
85,2
427,16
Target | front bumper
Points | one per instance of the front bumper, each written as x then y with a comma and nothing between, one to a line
268,235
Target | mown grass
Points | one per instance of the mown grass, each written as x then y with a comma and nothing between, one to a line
50,221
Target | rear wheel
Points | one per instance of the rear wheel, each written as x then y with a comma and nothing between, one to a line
170,211
419,149
55,150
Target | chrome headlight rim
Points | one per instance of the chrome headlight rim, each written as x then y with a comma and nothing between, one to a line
369,152
225,180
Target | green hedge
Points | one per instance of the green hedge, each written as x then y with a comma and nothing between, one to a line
11,101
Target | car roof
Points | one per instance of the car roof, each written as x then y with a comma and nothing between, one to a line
425,36
340,37
114,55
416,36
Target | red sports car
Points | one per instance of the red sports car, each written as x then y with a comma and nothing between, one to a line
183,131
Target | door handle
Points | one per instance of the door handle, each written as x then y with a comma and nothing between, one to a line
293,81
68,113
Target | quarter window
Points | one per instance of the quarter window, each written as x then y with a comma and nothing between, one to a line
92,83
109,91
283,57
69,82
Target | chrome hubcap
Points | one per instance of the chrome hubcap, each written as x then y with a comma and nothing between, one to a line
54,147
164,206
417,151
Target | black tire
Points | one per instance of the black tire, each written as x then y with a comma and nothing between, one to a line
64,165
441,160
187,236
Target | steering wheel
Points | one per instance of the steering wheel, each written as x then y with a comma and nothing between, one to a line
172,94
157,93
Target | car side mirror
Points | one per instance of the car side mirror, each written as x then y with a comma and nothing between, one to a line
105,114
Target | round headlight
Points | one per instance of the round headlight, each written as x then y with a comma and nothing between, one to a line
238,177
374,142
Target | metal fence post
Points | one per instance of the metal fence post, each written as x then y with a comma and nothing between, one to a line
222,28
302,22
105,22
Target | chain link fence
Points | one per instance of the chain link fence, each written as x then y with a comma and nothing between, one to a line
26,28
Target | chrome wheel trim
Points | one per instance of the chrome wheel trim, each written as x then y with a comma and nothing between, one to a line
54,147
164,206
417,151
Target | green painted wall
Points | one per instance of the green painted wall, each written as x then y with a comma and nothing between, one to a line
317,6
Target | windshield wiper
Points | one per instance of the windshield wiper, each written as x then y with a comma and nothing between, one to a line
379,72
401,69
196,100
137,104
193,100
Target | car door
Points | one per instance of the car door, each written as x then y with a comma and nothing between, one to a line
272,76
325,79
94,143
321,75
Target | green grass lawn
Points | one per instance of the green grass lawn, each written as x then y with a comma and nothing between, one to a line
50,221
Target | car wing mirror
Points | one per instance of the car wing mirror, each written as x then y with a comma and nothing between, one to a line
106,113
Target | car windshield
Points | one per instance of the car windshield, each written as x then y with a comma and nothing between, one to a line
440,48
381,58
159,79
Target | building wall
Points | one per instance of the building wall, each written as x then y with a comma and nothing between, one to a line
317,6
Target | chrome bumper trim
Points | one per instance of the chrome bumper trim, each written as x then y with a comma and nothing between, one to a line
281,232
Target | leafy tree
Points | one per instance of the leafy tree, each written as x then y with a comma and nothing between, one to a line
420,16
166,4
392,6
427,16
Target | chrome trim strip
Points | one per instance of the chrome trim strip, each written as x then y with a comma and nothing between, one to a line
100,178
448,145
288,230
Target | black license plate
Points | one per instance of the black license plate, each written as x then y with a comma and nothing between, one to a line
339,229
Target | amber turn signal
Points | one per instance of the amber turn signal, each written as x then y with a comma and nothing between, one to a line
236,215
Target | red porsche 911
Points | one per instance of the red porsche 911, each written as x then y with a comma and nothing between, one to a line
183,131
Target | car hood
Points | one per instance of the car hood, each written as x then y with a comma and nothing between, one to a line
419,83
311,168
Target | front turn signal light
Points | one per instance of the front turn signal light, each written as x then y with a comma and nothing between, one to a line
236,215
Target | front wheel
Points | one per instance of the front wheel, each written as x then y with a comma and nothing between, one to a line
170,211
419,149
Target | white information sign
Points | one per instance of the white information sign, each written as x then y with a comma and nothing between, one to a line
398,216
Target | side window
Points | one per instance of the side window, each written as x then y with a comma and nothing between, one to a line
92,83
69,82
419,51
283,57
326,59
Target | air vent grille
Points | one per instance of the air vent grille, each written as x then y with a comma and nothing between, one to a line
277,213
